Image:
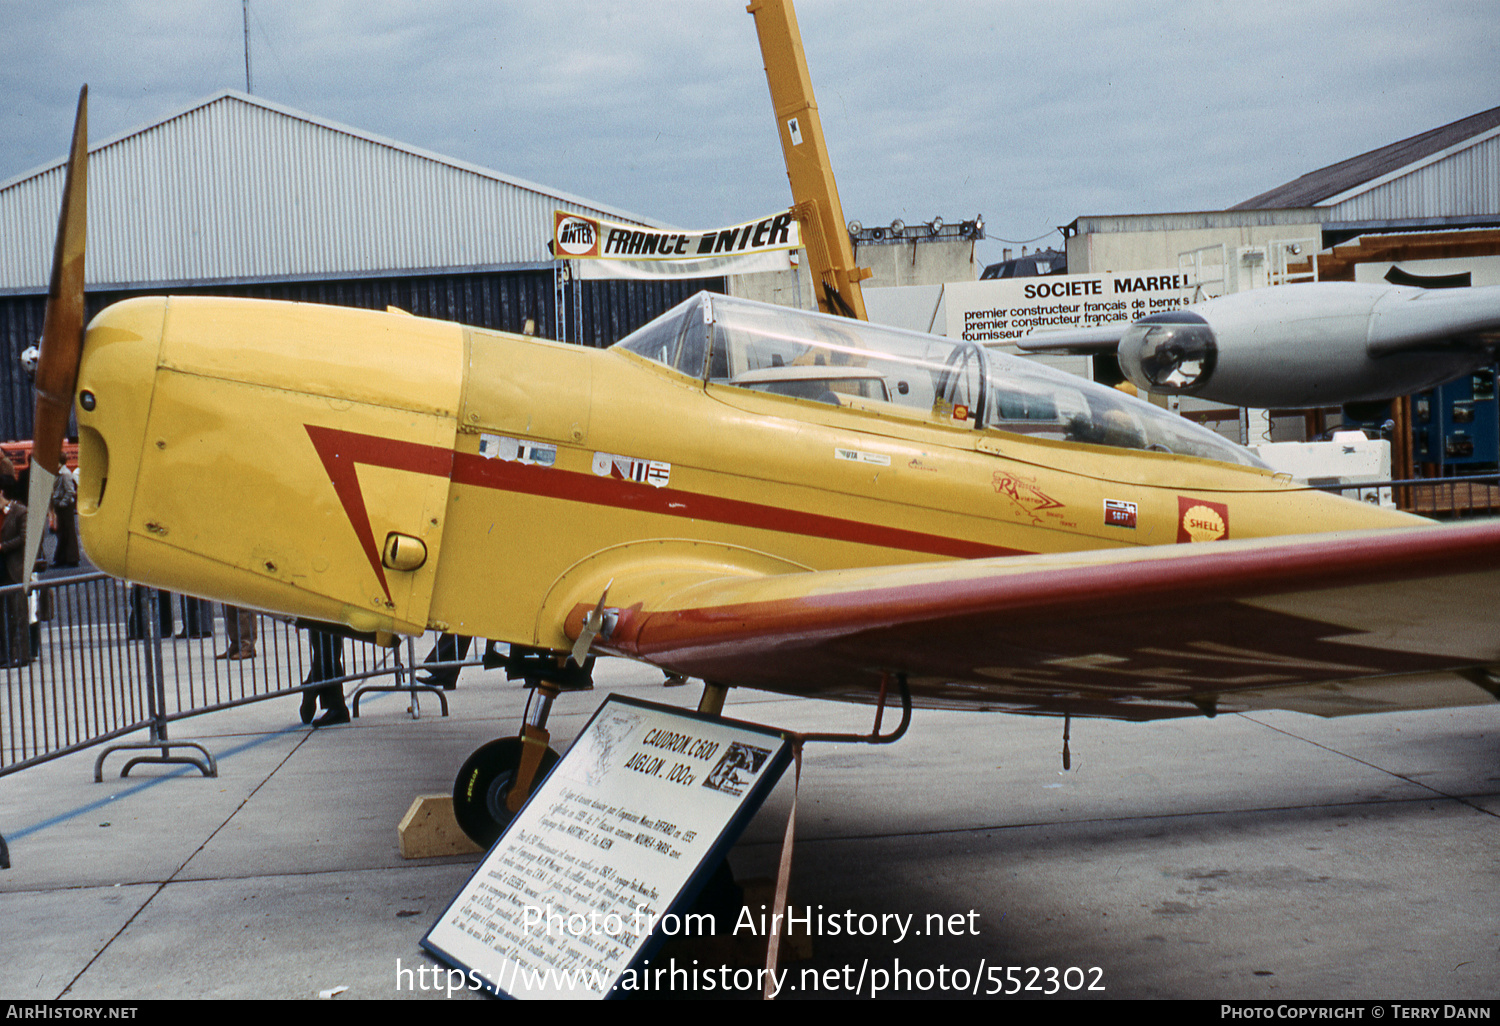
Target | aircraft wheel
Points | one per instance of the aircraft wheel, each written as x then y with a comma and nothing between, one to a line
482,784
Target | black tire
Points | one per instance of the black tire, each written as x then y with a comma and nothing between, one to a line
480,789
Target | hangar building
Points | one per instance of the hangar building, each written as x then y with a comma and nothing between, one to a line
1421,211
237,195
1447,179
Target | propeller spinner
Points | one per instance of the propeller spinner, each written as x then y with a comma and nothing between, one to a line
62,336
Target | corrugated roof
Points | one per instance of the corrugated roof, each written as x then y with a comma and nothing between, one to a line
235,187
1316,186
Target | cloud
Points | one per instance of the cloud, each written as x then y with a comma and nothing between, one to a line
1032,114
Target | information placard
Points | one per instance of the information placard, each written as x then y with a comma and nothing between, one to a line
1004,310
604,859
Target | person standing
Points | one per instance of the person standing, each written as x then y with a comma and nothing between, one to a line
327,665
239,625
15,617
197,618
138,629
450,648
65,509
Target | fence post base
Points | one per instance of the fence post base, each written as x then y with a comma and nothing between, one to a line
414,688
207,765
411,689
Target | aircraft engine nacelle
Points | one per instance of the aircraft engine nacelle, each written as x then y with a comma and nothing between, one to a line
282,456
1308,345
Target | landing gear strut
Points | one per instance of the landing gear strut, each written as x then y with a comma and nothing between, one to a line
497,778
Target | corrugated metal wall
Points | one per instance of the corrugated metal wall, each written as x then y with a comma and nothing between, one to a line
238,196
1465,183
20,326
238,188
500,300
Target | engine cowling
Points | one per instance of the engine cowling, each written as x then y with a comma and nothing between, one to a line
1305,345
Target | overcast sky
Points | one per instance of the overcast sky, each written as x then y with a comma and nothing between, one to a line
1030,113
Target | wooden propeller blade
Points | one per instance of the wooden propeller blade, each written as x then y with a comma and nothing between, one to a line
62,337
62,329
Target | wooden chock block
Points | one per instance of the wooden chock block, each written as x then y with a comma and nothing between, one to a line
429,829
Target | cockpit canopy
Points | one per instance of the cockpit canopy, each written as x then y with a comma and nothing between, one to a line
726,341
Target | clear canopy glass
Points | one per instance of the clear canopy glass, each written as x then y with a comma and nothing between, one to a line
834,360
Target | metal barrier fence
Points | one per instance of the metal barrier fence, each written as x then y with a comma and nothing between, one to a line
87,659
1441,498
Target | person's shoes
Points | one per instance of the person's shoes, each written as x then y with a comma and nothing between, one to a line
227,654
338,714
335,709
309,706
241,654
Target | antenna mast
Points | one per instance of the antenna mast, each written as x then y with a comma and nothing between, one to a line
245,10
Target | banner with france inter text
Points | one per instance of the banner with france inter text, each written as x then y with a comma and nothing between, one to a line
608,249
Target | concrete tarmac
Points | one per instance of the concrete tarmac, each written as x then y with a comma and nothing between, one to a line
1272,856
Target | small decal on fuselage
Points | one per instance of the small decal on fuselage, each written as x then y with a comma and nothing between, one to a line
858,456
1199,520
655,473
1118,513
1026,498
343,453
515,450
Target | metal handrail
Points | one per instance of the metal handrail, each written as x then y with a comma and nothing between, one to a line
1480,494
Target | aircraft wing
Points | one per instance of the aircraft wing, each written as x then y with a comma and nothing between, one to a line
1333,623
1419,319
1102,338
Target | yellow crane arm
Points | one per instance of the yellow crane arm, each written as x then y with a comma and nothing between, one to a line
815,194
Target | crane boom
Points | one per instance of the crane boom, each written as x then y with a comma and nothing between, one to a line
815,194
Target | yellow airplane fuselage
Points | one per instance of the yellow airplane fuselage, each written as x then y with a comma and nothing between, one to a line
397,474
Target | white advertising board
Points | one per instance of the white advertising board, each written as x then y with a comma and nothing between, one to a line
1002,310
608,852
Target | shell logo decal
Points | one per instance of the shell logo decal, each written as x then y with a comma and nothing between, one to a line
1199,520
